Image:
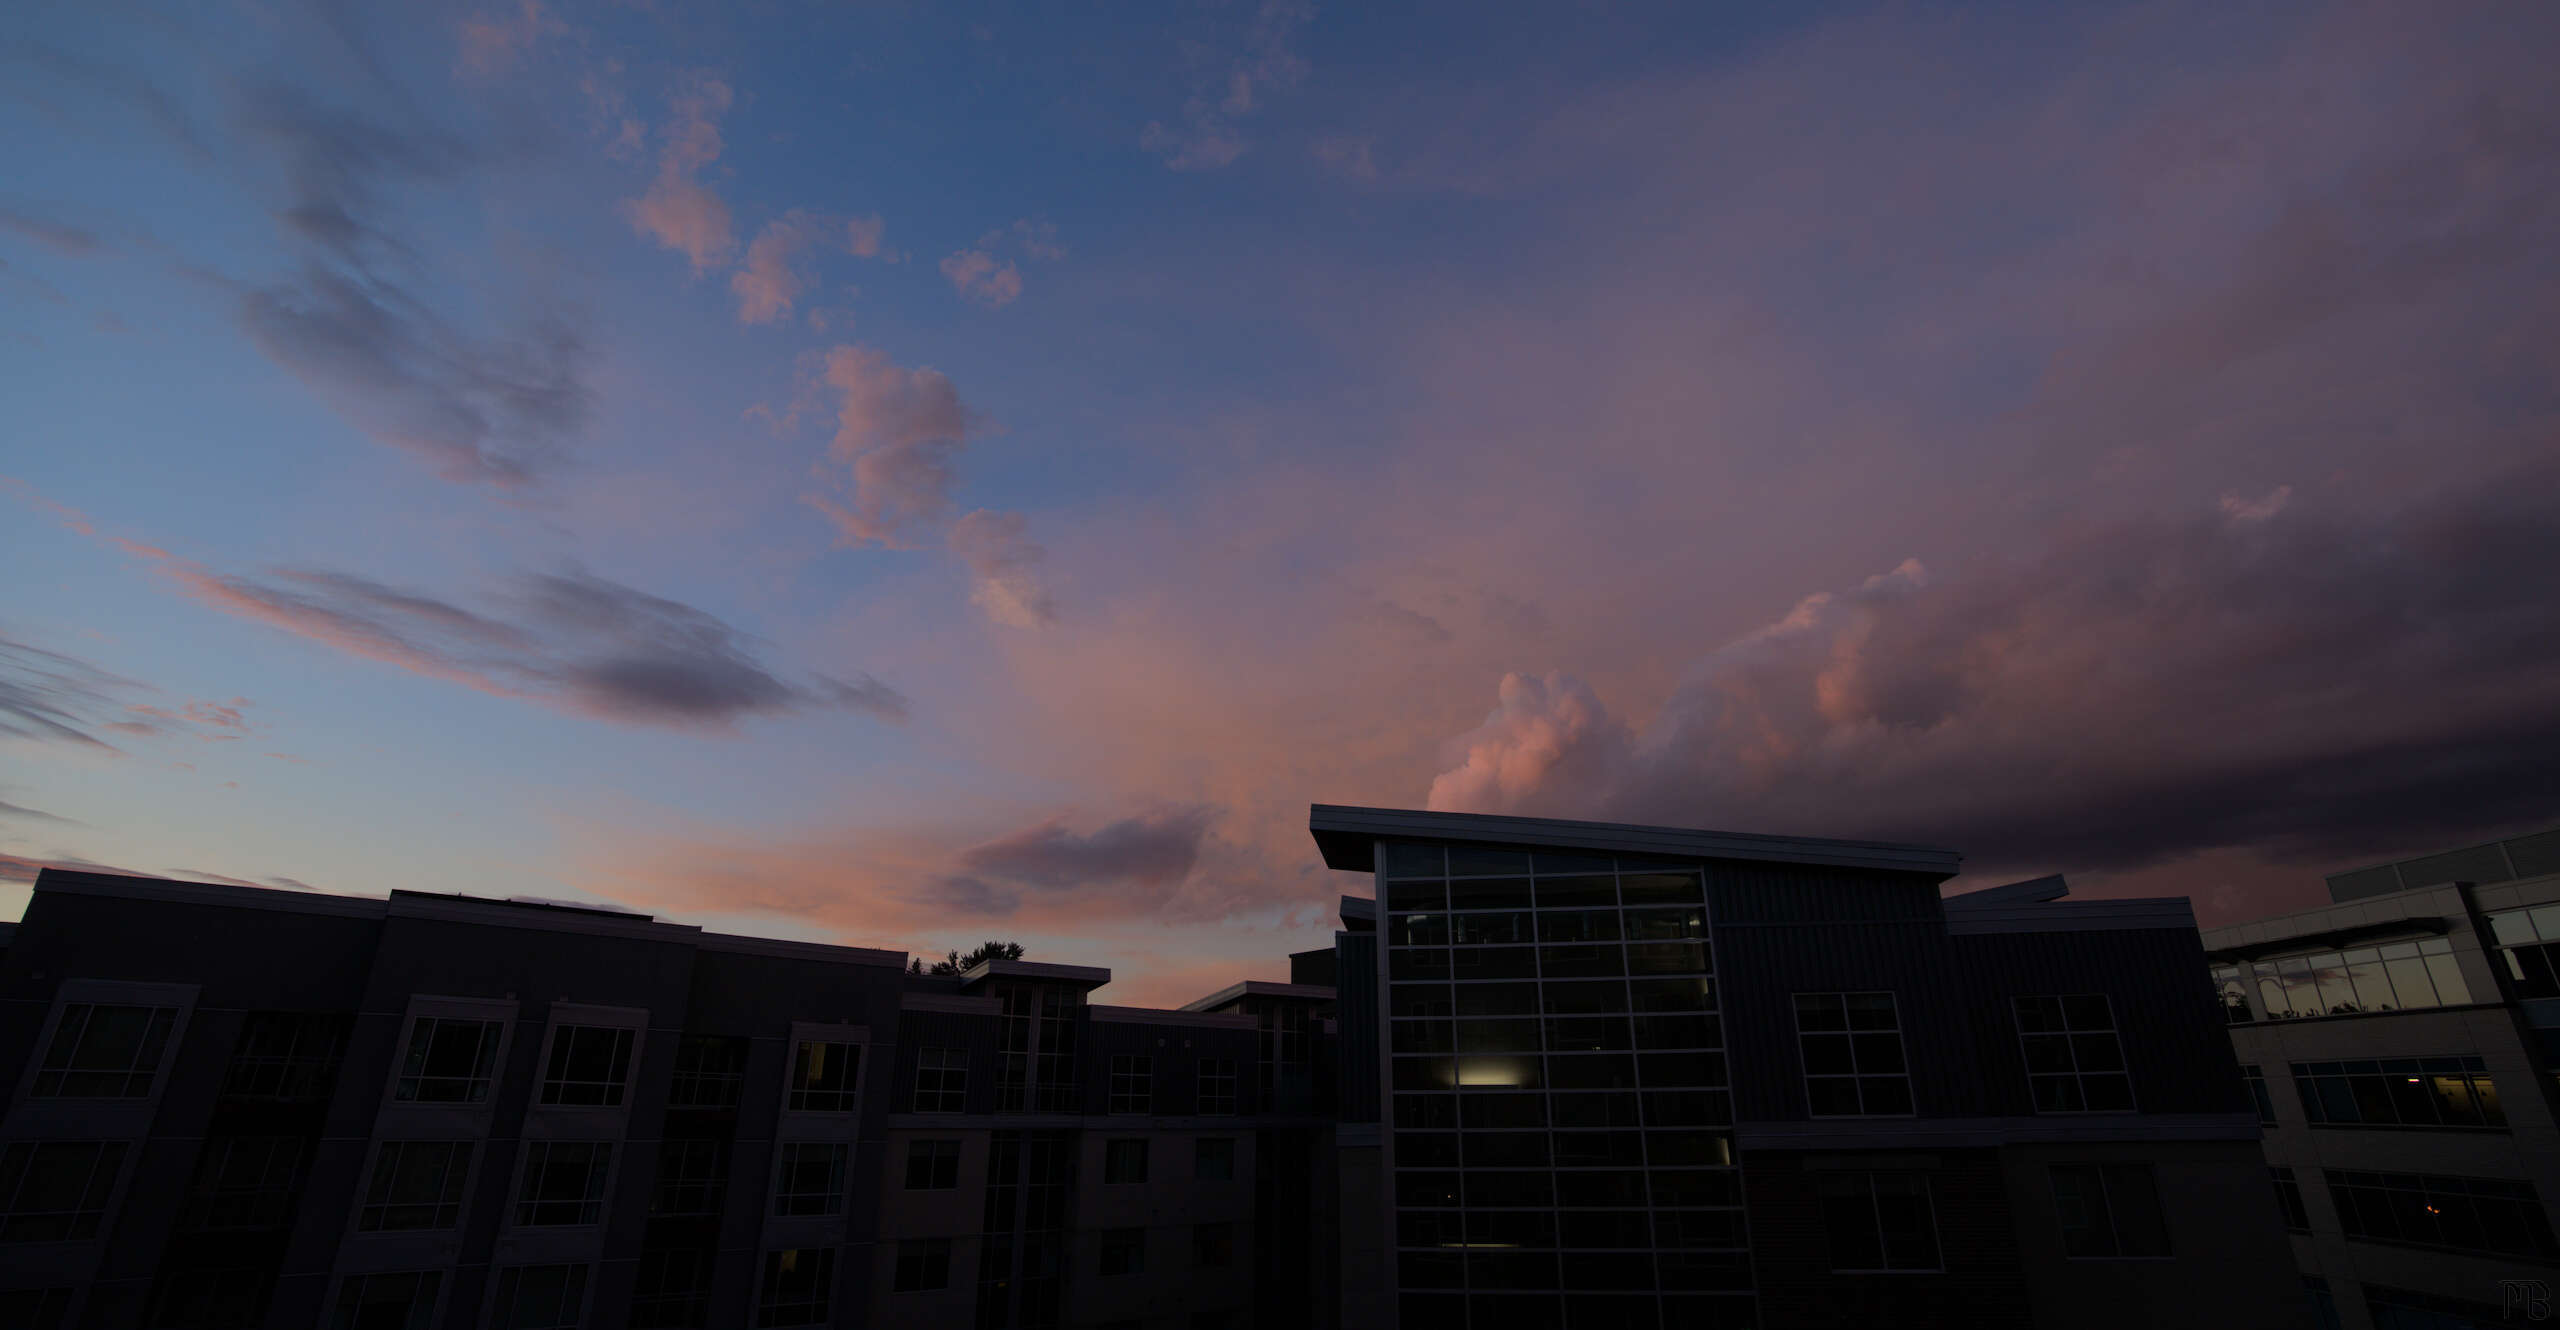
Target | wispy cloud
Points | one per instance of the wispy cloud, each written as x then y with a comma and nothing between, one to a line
1225,90
983,278
1004,569
492,43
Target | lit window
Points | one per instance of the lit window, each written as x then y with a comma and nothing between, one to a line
104,1052
2488,1216
1853,1060
797,1288
2400,1092
2075,1063
825,1077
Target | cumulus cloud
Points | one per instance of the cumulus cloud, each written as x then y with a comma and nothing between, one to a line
862,236
679,211
1039,238
1004,569
897,430
984,278
2308,685
1223,91
569,640
492,43
771,281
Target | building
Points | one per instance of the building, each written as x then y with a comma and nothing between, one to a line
240,1107
2401,1044
1635,1076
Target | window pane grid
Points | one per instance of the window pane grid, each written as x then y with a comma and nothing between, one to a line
1854,1064
2074,1058
589,1065
1132,1083
2390,976
1217,1087
942,1080
825,1077
710,1071
243,1183
539,1297
797,1287
2496,1216
448,1061
2449,1093
810,1179
563,1183
693,1177
56,1191
100,1051
286,1056
415,1185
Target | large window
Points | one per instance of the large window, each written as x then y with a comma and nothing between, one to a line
810,1179
2110,1212
1124,1160
2391,976
448,1061
672,1289
710,1069
693,1177
797,1287
1133,1081
2297,1217
2075,1063
1878,1222
2529,949
1217,1086
2256,1080
286,1056
104,1052
56,1191
589,1064
402,1301
2399,1092
415,1185
942,1080
1124,1251
933,1165
243,1184
2231,989
924,1265
202,1298
563,1183
2491,1216
825,1077
539,1297
1853,1062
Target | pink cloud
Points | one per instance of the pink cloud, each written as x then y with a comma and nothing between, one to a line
771,280
897,430
983,278
1004,568
492,44
679,211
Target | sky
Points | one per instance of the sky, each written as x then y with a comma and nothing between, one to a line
909,474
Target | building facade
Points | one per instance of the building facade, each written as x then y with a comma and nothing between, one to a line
2400,1045
1636,1076
238,1107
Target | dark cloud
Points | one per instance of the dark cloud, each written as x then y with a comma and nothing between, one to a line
61,239
1154,849
22,868
572,640
8,809
45,695
2306,686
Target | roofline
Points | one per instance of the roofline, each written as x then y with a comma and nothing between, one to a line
2050,887
1344,833
1261,988
1091,976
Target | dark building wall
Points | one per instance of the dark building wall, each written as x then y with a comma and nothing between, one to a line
2173,1032
1976,1234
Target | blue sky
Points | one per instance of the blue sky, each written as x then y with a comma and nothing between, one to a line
910,474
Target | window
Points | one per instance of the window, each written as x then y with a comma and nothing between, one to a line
2231,989
797,1282
1852,1046
1878,1221
1217,1086
416,1184
286,1056
1213,1246
563,1183
825,1077
942,1080
1124,1160
448,1061
589,1064
693,1177
2257,1082
924,1265
1124,1251
2297,1219
243,1183
810,1180
2392,976
2528,946
2399,1092
2075,1064
2110,1212
710,1069
672,1289
36,1308
933,1165
104,1052
203,1297
403,1301
56,1191
1133,1080
2493,1216
539,1297
2408,1309
1213,1159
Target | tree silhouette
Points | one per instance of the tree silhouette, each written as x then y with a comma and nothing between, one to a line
955,963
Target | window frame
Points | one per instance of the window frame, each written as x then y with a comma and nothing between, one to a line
1218,1071
948,1070
375,1160
1112,1150
590,1207
628,1029
939,1159
159,1041
437,1289
787,1154
2105,1173
19,1158
2067,1036
1131,1085
914,1259
686,1085
508,1279
2360,1083
711,1187
768,1274
1848,1034
840,1102
398,1090
1129,1244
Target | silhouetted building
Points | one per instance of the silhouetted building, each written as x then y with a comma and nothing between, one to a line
238,1107
1636,1076
2400,1045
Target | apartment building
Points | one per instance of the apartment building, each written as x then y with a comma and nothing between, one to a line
2400,1045
240,1107
1632,1076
